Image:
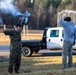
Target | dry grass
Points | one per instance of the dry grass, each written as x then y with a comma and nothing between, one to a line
6,40
40,65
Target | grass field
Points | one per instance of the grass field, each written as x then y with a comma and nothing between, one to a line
37,64
40,65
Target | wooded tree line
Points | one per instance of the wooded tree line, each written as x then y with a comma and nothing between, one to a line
43,12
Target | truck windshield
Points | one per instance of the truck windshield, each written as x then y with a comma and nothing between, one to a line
54,33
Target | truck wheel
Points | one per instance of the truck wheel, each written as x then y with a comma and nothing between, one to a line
27,51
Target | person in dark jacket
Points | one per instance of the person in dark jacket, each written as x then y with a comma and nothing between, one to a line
15,48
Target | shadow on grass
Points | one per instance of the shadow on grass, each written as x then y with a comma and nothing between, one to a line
49,54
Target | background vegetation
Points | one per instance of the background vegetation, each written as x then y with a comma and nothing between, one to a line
44,12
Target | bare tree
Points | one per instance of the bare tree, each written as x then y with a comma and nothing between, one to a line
39,9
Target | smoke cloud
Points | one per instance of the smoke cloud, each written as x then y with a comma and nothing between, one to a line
7,6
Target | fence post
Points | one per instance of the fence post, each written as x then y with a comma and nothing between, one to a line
25,31
4,34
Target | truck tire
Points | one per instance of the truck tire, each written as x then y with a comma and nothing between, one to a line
26,51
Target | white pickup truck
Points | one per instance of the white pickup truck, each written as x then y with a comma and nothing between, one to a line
52,39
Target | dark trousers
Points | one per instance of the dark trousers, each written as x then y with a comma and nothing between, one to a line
14,61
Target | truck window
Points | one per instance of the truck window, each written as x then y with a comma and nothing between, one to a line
54,33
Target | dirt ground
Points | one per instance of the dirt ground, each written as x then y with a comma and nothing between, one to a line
4,56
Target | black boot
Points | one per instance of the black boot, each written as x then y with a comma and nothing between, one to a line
17,72
10,71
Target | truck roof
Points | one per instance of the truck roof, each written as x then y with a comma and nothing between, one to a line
55,28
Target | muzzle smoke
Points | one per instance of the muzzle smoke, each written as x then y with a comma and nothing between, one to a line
7,6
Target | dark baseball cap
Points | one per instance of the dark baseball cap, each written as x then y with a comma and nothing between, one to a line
68,19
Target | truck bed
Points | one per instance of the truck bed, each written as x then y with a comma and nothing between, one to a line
33,43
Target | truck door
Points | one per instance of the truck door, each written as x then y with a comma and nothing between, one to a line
54,38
